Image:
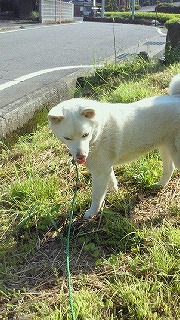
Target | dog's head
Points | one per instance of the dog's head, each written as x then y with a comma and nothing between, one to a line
73,122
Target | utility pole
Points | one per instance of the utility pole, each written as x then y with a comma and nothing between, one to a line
60,11
133,9
55,13
102,8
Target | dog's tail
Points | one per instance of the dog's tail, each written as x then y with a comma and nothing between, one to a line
174,87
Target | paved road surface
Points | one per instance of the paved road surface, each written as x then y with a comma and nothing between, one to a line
27,53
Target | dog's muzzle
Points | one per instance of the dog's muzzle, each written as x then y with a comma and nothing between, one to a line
81,158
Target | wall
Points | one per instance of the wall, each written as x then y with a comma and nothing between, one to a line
56,11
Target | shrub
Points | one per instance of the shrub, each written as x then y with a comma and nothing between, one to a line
161,17
167,8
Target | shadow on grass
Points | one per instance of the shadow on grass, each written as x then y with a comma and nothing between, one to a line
32,257
33,261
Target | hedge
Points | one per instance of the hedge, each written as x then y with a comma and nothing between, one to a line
164,18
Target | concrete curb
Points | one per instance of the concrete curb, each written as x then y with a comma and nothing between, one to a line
10,25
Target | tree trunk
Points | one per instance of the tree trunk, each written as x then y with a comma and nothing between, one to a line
172,48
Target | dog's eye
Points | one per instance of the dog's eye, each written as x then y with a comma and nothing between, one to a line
66,138
85,135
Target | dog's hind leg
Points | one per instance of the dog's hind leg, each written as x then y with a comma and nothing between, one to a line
176,159
176,155
100,181
113,185
168,165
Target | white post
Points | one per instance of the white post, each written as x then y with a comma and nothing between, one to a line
94,5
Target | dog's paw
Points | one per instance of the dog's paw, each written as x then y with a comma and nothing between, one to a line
89,214
113,185
113,188
157,186
161,184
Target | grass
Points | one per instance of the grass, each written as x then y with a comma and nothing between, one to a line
124,263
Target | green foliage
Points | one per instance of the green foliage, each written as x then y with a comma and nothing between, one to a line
111,5
144,171
171,21
35,15
151,274
119,233
129,93
161,17
172,54
111,75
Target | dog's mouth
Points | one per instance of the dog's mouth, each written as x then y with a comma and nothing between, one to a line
81,160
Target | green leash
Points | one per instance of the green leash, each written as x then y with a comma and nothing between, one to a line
68,246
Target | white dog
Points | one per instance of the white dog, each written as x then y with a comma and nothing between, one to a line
101,135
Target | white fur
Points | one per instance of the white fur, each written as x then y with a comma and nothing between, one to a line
102,135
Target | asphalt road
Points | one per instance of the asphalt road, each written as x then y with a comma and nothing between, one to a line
26,54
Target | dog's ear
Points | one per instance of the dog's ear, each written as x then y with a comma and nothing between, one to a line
88,113
55,119
56,115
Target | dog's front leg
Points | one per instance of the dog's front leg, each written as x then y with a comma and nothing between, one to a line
100,181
